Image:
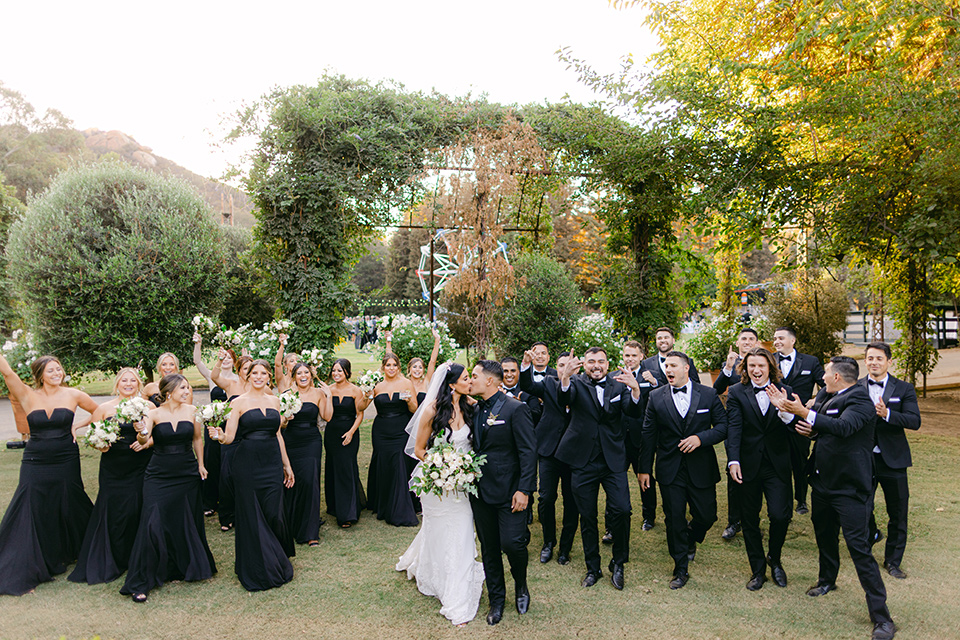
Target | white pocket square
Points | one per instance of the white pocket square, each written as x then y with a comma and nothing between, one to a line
496,422
805,373
894,399
833,410
644,384
703,410
615,399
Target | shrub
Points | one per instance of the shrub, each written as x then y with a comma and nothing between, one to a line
815,307
709,346
20,352
596,330
413,338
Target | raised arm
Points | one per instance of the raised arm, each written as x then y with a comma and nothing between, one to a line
216,374
17,388
278,361
432,365
326,402
198,358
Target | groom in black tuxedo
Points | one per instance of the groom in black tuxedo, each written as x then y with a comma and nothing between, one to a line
594,445
503,432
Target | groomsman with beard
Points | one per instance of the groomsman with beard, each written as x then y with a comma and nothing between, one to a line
682,423
758,453
653,369
801,372
594,447
896,407
503,432
841,478
553,472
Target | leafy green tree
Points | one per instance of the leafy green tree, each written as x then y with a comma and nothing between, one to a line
111,264
814,306
11,210
545,308
247,298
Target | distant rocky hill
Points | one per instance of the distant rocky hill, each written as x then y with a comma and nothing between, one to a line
223,199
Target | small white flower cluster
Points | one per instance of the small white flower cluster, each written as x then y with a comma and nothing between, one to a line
597,330
385,322
369,380
448,470
20,352
315,357
412,335
133,409
230,338
290,404
101,434
279,326
213,414
205,325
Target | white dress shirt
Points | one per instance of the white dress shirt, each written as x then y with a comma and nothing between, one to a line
787,365
682,400
876,394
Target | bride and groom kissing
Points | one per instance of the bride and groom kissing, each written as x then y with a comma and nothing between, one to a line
442,557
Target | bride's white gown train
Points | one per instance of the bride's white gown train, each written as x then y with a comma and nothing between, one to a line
443,555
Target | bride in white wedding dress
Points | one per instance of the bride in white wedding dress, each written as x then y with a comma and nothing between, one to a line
442,557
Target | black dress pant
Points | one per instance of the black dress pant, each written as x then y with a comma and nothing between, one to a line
832,511
586,483
799,454
501,531
733,501
648,497
779,509
554,474
703,513
896,494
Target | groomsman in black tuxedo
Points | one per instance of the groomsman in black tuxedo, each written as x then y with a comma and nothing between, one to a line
801,372
841,478
653,369
730,374
553,473
511,387
758,453
541,362
633,363
503,432
683,421
594,447
896,406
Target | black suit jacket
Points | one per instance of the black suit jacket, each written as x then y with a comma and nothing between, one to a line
901,398
536,407
652,364
751,435
842,458
723,382
663,429
805,372
633,424
590,422
510,448
554,419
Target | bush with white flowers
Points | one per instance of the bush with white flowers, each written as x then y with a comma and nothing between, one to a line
596,330
20,352
413,338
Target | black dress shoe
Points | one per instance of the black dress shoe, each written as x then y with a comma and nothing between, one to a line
884,631
894,571
546,554
563,558
802,508
679,579
778,574
523,600
730,531
495,614
607,537
756,582
821,589
647,525
591,578
692,552
616,575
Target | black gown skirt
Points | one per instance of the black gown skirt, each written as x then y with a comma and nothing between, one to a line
211,461
263,542
389,477
43,527
341,481
171,542
225,498
304,446
116,514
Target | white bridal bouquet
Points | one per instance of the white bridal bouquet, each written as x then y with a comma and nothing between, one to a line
315,357
290,403
448,470
385,322
101,434
213,414
231,338
133,410
369,380
279,326
205,325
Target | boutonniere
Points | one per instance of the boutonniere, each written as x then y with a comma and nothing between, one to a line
492,419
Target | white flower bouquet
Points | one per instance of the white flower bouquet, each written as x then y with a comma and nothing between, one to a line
385,322
213,414
133,410
448,470
101,434
206,326
369,380
279,326
231,338
290,404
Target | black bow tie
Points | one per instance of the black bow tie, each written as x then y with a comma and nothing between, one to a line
872,382
662,359
788,358
512,389
682,389
759,389
599,383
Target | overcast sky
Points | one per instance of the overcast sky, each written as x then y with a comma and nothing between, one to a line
167,73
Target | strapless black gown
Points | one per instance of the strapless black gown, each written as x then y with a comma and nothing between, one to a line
389,477
211,460
225,499
171,542
263,542
304,445
43,527
342,487
116,514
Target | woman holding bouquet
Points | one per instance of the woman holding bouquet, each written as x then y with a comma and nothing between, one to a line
387,481
304,445
116,514
171,543
263,543
418,376
211,449
235,384
283,365
442,557
343,407
43,527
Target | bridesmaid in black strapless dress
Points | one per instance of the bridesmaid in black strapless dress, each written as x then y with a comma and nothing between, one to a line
343,408
263,542
43,527
116,514
235,388
171,542
304,446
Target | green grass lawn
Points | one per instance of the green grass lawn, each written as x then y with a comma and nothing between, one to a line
347,586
